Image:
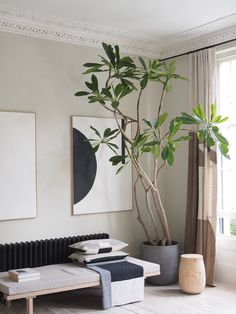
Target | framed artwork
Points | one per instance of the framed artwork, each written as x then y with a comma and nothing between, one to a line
17,165
97,188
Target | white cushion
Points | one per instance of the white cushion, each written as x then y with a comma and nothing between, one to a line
98,246
96,258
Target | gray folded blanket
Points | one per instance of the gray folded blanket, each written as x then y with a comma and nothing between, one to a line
122,282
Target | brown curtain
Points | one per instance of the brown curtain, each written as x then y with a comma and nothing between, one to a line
201,214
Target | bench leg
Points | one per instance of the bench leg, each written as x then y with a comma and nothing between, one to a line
7,302
29,305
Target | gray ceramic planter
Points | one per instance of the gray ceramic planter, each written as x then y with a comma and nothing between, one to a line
167,257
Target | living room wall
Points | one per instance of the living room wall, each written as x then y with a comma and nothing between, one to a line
41,76
175,177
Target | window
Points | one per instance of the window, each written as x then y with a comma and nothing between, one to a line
227,168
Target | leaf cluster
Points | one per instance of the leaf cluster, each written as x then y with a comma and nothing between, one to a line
124,76
209,131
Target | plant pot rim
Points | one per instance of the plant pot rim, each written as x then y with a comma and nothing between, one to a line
147,243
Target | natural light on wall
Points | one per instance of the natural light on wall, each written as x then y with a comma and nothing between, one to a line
226,238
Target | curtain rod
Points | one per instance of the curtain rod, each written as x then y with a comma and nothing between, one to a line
196,50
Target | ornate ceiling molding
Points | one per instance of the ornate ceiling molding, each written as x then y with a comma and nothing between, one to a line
198,43
50,27
38,25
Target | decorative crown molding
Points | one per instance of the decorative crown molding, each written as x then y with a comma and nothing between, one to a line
39,25
199,43
35,24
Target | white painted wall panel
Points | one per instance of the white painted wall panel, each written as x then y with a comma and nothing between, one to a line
17,165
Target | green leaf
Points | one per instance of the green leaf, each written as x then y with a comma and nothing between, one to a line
161,120
174,128
106,92
144,81
115,160
146,149
106,132
90,86
113,145
187,119
168,87
127,90
202,135
170,158
118,89
117,50
129,83
109,51
140,141
96,131
224,150
99,99
156,150
210,141
172,146
152,143
213,112
221,138
217,118
171,67
95,148
95,69
127,62
91,65
115,104
95,82
165,153
113,132
223,120
215,128
148,123
183,138
143,63
82,93
120,169
199,112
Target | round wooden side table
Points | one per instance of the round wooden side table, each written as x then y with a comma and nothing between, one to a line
192,276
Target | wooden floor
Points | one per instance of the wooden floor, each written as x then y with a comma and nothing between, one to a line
158,300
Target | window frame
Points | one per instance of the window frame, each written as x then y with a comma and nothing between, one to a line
223,215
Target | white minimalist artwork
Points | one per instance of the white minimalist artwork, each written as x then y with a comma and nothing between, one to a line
97,188
17,165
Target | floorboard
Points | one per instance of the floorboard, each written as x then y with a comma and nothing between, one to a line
158,300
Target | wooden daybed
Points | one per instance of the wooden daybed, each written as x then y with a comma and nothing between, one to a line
57,272
58,278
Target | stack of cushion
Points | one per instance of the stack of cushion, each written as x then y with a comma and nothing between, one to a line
98,251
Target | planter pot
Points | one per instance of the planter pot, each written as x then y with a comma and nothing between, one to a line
167,257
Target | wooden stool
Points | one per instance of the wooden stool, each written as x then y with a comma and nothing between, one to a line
192,276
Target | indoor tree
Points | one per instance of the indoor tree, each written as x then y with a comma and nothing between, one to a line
157,137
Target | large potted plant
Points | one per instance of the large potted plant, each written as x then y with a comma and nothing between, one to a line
157,137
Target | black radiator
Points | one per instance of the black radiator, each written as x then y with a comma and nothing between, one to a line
40,253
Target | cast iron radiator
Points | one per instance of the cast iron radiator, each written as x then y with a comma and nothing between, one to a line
41,252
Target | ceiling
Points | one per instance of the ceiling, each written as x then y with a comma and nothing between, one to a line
153,27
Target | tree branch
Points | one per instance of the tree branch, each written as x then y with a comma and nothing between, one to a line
139,218
138,113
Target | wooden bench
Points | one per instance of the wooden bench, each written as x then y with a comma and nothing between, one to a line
58,278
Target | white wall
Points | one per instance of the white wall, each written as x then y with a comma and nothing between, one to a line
41,76
175,177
